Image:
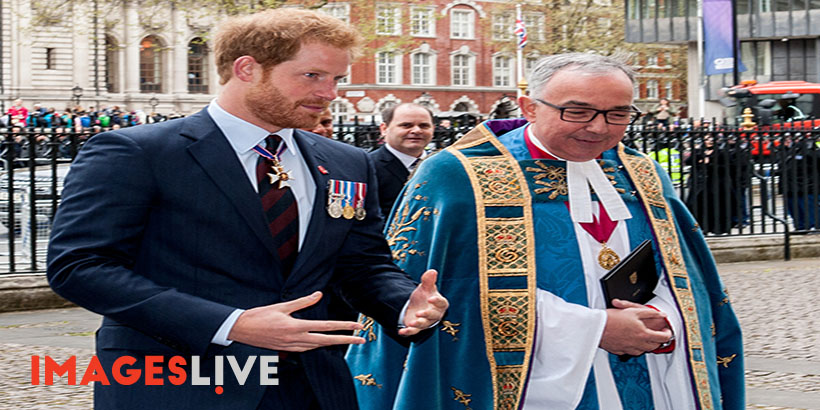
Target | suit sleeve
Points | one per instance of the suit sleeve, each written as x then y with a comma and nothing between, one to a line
96,238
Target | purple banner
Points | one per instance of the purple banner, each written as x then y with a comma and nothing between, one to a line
717,38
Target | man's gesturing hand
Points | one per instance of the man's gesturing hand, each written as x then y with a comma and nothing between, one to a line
273,327
426,306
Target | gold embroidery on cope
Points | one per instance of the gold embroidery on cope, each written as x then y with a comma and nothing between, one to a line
461,397
450,328
642,172
367,328
400,245
556,179
509,384
367,380
726,360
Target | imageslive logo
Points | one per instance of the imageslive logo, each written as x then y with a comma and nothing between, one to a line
124,372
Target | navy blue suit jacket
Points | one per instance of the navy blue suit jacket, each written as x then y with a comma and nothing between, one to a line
161,231
391,175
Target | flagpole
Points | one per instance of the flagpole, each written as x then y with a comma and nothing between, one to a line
701,76
519,57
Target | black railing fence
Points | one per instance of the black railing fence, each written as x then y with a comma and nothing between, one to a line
736,182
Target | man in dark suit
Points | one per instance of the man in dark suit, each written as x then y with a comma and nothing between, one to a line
407,129
205,241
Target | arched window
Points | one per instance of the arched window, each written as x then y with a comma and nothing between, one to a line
197,66
150,65
112,63
462,107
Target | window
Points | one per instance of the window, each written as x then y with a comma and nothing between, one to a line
462,69
339,10
422,22
150,65
461,24
503,25
346,79
652,90
197,66
387,68
50,59
388,20
667,59
535,26
338,108
502,71
111,65
667,91
421,66
652,61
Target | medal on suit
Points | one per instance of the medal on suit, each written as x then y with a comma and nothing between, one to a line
334,205
278,176
346,199
358,201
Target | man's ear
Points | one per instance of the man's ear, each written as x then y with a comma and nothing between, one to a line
244,68
383,128
527,106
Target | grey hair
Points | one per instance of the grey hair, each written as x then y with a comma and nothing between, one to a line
588,63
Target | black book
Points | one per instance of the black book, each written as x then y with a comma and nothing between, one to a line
633,278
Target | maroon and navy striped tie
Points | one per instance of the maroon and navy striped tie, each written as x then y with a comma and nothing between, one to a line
280,209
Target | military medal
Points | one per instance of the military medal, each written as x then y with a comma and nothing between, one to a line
346,199
334,206
361,190
348,212
278,176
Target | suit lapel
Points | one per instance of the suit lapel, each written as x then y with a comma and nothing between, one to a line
395,166
209,151
314,158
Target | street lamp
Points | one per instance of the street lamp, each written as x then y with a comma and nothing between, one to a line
77,92
154,102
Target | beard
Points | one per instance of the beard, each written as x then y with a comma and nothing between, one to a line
270,105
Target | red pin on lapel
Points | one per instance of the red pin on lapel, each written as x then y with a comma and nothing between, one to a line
322,170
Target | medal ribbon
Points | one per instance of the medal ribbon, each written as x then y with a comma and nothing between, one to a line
361,190
262,151
348,188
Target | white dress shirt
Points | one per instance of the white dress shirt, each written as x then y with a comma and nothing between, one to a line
243,136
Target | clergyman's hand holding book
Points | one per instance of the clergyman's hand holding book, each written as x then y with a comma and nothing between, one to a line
633,278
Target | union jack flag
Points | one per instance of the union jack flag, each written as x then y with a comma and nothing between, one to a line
520,32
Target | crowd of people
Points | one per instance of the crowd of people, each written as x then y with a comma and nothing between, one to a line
78,117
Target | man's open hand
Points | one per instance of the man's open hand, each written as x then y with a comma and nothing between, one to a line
426,306
273,327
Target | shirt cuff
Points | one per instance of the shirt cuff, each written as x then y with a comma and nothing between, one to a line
221,336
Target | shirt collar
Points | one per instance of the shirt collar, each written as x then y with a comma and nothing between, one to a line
242,135
406,160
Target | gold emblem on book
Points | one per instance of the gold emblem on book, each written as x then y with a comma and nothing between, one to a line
633,278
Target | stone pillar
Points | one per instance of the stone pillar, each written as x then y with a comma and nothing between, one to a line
131,62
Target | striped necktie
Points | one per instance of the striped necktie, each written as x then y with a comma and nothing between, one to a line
280,208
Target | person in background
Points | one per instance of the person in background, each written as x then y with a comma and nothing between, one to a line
523,218
663,112
407,129
325,125
18,113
